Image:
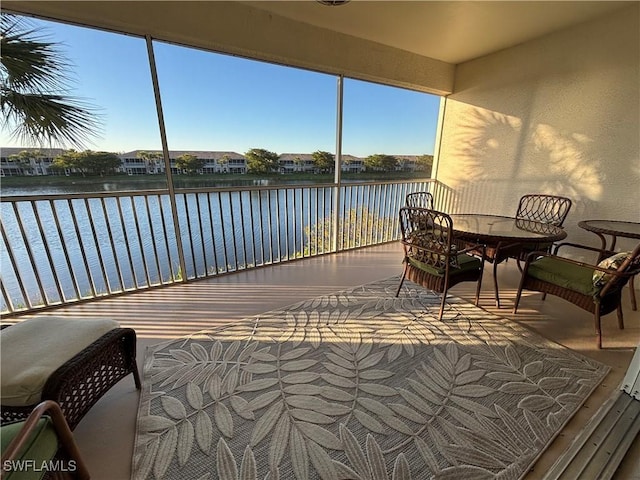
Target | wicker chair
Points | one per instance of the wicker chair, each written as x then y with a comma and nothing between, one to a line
430,257
579,282
419,199
46,437
533,209
548,209
78,383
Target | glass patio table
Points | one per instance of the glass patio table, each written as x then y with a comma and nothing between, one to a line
495,229
504,237
614,229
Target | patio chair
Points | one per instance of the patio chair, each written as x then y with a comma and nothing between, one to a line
73,362
44,438
419,199
596,288
431,259
545,209
548,209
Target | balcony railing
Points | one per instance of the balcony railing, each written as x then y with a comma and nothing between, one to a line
58,249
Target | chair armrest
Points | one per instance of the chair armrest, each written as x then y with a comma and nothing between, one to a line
452,254
470,248
600,251
63,433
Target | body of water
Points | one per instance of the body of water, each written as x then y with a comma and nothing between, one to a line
60,249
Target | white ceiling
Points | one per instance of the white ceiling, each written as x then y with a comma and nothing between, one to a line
451,31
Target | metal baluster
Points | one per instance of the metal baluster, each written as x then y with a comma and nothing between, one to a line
94,233
287,250
153,239
204,253
243,230
126,244
233,231
47,252
113,247
65,250
143,257
224,234
83,252
190,235
278,229
252,228
262,229
213,236
370,217
14,265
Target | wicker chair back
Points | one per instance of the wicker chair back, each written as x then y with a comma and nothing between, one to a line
419,199
544,208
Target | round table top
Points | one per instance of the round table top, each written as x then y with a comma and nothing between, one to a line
495,228
612,227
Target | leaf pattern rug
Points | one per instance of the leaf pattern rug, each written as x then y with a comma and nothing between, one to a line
358,385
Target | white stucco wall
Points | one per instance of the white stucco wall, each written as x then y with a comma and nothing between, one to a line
559,115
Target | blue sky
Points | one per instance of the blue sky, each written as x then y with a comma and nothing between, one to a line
220,102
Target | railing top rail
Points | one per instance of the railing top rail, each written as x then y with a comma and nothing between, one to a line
138,193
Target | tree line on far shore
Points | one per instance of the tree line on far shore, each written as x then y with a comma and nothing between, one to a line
89,162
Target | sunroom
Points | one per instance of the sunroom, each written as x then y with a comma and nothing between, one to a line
534,97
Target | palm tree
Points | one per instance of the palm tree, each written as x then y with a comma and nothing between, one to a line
34,99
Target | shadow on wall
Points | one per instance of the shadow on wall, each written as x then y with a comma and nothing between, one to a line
497,156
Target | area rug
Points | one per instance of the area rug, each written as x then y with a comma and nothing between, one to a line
358,385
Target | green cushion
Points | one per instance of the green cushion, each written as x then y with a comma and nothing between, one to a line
567,275
466,263
40,448
33,349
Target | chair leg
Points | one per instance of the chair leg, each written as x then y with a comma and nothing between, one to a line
495,283
620,317
632,292
442,303
404,274
518,295
478,288
136,377
129,339
596,315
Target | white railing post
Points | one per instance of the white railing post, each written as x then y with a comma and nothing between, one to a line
338,168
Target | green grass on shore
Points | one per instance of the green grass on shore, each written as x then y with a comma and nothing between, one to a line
186,181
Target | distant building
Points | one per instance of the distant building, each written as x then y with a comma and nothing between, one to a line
351,164
36,164
296,163
303,162
151,162
146,162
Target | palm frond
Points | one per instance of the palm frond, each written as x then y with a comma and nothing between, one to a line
57,119
34,78
29,60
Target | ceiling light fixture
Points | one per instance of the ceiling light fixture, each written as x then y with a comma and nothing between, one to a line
333,3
